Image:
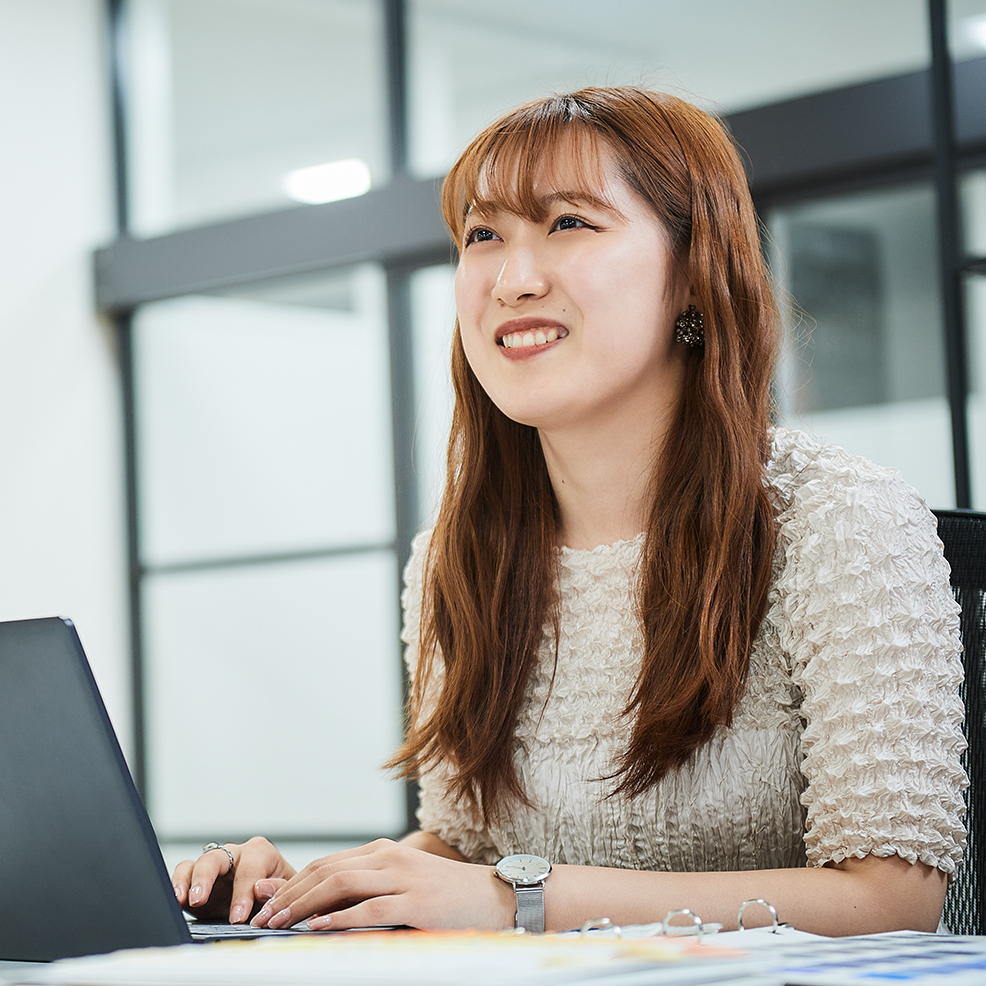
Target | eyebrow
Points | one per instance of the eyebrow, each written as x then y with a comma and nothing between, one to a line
488,207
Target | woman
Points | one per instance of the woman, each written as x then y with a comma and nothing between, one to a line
674,652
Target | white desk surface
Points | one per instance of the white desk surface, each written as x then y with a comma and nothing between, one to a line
755,958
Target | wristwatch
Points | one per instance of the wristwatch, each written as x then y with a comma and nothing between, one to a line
526,874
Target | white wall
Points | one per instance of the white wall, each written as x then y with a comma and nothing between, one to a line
62,542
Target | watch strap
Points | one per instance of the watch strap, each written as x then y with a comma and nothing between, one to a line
530,908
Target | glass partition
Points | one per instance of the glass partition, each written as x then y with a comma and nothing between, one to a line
863,361
432,320
468,62
269,589
228,98
967,28
274,699
263,423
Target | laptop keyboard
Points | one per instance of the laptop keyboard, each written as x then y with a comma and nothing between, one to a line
208,931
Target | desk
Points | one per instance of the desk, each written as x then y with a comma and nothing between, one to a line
464,959
10,969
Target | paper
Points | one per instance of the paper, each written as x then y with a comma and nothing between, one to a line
396,959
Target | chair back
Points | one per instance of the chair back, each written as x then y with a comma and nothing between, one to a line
963,533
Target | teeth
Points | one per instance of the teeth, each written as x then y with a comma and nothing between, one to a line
517,340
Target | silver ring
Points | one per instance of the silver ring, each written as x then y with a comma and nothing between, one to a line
209,846
756,900
697,927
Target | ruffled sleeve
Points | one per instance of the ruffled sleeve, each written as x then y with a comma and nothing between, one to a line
866,612
454,822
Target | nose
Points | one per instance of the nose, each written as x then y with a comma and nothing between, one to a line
522,277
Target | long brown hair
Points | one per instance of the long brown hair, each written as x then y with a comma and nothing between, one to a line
491,569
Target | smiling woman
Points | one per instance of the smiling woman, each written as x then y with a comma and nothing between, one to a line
566,313
663,654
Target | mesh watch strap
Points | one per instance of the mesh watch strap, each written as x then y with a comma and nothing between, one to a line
530,908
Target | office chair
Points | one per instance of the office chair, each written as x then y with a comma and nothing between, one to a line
963,532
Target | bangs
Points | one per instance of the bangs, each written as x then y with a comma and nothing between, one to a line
516,165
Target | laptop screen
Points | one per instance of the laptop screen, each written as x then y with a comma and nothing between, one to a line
80,868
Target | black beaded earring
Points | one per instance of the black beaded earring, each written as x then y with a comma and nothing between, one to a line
689,328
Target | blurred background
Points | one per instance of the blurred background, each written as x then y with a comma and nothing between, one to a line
225,314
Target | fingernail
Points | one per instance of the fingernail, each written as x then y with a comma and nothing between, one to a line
262,916
264,889
281,919
178,892
320,923
196,895
238,913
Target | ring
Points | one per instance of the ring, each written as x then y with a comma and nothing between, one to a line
209,846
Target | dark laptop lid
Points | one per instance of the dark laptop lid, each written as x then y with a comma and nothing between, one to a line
80,867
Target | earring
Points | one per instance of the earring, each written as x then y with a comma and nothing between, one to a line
689,328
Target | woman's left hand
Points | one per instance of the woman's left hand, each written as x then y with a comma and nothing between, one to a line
385,882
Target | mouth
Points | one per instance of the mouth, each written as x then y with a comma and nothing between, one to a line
527,333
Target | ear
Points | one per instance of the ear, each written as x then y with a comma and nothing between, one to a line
686,297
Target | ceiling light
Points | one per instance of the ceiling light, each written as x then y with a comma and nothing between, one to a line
328,182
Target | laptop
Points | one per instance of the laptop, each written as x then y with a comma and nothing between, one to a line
80,867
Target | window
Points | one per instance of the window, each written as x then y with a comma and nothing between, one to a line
863,364
226,98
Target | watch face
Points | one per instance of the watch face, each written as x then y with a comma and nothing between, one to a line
523,868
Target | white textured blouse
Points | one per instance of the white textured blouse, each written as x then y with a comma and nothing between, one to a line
845,742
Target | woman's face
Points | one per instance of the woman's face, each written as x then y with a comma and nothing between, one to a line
569,320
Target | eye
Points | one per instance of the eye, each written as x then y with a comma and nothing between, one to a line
570,222
480,234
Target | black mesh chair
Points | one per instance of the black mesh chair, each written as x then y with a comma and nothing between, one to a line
963,532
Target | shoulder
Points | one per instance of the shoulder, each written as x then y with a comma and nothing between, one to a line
414,570
824,492
805,470
411,597
857,546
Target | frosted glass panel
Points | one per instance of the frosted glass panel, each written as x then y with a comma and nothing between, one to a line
974,212
433,318
469,62
967,28
227,97
273,698
863,362
264,426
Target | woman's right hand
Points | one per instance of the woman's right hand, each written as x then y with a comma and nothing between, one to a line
212,889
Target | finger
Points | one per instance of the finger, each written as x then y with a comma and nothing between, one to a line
247,873
371,855
181,880
291,891
385,910
256,864
265,889
208,868
341,890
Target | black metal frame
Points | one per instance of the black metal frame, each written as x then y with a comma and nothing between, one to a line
921,125
951,253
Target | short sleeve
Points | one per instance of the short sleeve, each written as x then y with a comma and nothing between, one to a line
455,822
871,623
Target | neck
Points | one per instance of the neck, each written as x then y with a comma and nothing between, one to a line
601,474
